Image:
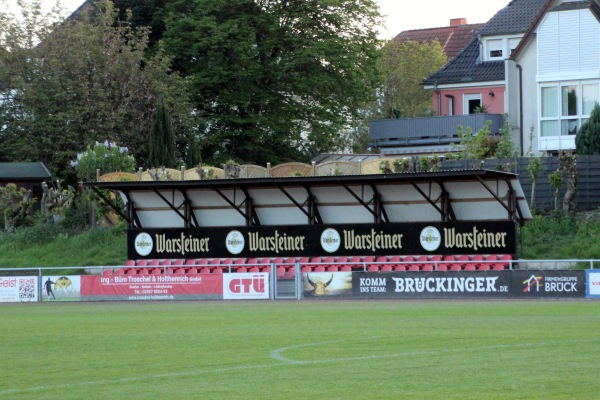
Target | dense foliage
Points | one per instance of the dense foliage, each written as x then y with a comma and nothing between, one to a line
404,66
275,81
83,81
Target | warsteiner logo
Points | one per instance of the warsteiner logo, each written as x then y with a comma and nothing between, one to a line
430,238
235,242
143,244
330,240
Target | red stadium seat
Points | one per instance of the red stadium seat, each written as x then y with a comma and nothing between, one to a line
373,268
435,260
205,270
166,263
191,261
506,257
280,271
129,263
405,263
227,262
154,263
107,272
252,261
143,271
179,261
386,268
141,263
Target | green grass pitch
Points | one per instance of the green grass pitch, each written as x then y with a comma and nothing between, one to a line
301,350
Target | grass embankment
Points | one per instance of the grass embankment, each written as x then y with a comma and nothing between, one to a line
50,245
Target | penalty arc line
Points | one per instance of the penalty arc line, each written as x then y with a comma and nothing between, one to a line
276,354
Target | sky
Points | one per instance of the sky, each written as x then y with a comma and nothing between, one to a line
402,15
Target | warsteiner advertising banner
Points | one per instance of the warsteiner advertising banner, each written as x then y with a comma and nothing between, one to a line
152,287
485,237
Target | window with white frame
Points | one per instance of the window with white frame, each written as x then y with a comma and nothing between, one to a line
565,106
495,49
499,48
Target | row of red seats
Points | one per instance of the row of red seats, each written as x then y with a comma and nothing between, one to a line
286,267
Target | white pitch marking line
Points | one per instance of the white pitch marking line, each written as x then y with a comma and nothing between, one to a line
276,354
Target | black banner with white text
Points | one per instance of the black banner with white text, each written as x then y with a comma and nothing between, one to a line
485,237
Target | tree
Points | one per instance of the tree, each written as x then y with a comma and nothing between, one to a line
587,140
83,81
404,66
275,80
162,138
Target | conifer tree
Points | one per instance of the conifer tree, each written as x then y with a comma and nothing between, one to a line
162,138
587,140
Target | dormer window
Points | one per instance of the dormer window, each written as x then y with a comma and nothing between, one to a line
499,48
495,49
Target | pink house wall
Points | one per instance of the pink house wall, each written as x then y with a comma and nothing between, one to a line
495,103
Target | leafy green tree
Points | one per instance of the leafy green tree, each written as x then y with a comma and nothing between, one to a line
162,138
274,80
587,140
82,81
404,66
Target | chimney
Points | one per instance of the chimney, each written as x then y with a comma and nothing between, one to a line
458,21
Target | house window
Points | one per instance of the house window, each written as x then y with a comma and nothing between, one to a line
471,102
495,49
498,48
565,106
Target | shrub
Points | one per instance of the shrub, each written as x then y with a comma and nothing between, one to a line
106,157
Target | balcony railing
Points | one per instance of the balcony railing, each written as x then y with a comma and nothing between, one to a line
428,131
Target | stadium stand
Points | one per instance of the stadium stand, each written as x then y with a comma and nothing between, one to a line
286,268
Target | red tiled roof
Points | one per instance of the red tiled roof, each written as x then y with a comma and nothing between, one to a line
452,38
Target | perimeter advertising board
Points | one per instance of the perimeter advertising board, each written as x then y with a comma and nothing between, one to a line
447,285
593,284
485,237
152,287
15,289
61,288
553,284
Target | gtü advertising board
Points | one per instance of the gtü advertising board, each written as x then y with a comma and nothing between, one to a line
242,286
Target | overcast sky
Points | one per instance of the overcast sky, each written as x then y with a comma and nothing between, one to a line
402,15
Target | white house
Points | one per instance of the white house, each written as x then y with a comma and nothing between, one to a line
553,76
